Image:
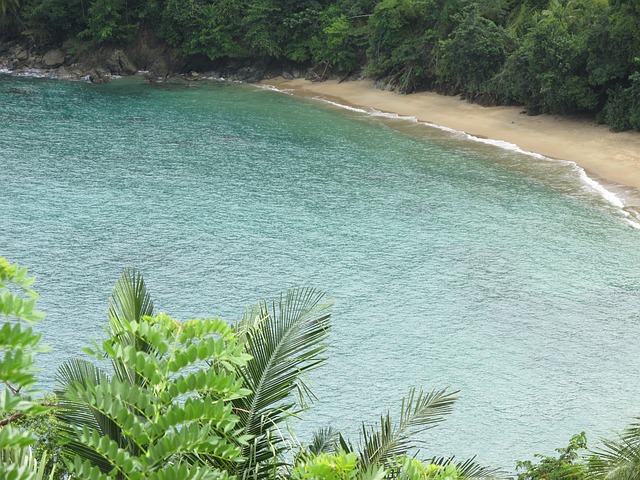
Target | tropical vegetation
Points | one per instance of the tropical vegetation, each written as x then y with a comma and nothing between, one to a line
204,399
18,344
161,398
551,56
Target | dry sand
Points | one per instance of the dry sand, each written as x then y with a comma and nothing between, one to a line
612,159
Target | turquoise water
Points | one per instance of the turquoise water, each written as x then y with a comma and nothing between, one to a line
451,263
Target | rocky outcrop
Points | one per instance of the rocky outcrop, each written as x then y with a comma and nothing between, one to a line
98,75
27,58
148,55
151,55
53,58
96,65
118,63
20,53
105,62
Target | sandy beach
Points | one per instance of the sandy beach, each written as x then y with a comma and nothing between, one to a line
613,159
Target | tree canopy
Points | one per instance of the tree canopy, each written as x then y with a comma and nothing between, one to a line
554,56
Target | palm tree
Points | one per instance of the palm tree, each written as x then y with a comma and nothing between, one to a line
285,339
381,446
130,301
618,459
163,408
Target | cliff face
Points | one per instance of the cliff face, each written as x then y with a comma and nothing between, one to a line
150,56
145,54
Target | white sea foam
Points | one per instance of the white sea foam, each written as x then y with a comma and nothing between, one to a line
275,89
634,224
346,107
606,194
33,73
40,73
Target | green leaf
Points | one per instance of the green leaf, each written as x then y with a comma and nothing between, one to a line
286,339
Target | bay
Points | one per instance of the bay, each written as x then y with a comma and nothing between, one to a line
451,263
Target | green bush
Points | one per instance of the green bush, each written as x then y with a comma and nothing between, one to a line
18,344
548,72
402,36
472,54
567,466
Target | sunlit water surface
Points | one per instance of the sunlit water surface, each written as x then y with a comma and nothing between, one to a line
451,263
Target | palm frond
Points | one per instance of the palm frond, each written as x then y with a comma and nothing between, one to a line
345,444
617,459
325,440
130,301
73,415
469,469
83,372
419,412
287,339
631,433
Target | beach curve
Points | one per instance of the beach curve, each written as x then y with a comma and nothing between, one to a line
610,161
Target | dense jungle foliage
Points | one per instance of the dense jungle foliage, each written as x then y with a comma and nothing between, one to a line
552,56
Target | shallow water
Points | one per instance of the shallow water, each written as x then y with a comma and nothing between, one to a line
451,263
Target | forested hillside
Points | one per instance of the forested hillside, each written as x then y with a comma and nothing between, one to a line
552,56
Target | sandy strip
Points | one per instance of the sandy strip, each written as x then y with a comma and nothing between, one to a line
613,159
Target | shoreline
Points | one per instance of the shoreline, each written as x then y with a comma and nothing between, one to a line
609,162
608,158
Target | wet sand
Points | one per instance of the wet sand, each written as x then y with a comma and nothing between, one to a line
612,159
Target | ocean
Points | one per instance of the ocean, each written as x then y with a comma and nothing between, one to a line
452,262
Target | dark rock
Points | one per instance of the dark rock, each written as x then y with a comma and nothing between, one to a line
159,67
211,75
287,75
119,64
99,75
53,58
249,74
151,54
313,76
20,53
